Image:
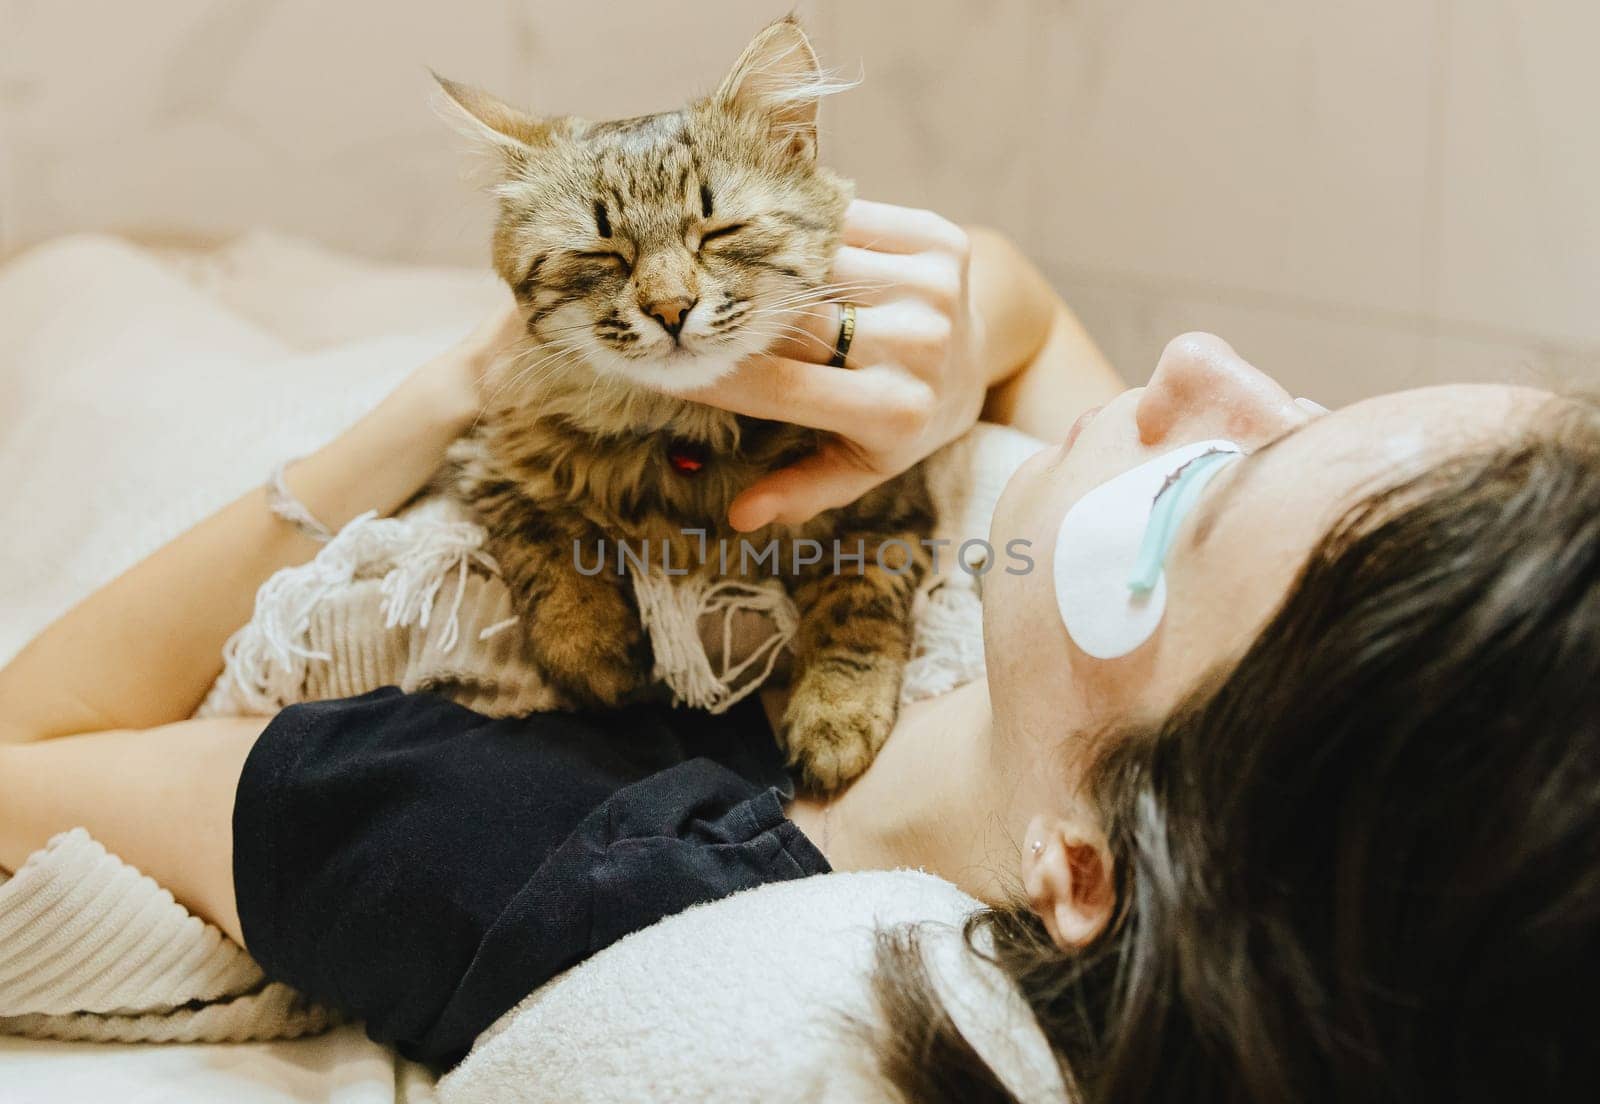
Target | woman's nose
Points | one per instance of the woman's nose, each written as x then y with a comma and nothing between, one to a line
1202,388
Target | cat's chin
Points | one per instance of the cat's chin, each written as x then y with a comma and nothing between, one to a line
676,372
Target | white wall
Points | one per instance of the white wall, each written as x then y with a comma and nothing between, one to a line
1361,196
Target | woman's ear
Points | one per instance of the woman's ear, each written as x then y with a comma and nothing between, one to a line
1069,879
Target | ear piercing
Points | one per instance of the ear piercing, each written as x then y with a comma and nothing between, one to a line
1036,846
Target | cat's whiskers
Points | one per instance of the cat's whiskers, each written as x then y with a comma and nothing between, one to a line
832,285
564,356
828,286
567,345
806,307
599,380
569,360
778,329
560,331
553,357
603,382
744,316
780,319
815,297
507,378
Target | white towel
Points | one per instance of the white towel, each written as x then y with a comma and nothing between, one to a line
750,998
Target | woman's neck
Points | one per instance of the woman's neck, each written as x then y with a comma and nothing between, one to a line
938,796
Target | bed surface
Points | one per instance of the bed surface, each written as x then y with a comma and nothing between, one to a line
341,1067
219,331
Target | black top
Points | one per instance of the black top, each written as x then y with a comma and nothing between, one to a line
424,867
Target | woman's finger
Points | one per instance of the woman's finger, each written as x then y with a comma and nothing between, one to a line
813,334
863,405
872,282
886,228
891,334
862,277
794,495
807,327
870,276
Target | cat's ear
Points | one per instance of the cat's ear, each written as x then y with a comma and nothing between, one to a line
779,79
491,121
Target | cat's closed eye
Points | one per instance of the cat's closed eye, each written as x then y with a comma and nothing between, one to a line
721,232
623,265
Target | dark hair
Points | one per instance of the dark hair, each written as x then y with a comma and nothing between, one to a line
1362,863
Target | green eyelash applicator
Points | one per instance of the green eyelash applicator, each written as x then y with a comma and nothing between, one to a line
1112,546
1173,502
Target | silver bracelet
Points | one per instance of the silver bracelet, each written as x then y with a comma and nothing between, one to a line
282,502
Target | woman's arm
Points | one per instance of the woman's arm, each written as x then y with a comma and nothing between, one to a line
1042,368
143,650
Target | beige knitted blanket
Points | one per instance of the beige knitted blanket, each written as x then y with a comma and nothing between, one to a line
90,949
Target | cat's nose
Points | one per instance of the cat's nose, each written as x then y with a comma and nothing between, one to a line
671,312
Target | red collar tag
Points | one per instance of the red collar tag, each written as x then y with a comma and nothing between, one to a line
686,457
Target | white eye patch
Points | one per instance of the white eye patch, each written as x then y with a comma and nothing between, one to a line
1111,599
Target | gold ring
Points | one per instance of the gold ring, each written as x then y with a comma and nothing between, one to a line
847,334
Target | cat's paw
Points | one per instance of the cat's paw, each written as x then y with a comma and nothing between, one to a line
836,721
593,672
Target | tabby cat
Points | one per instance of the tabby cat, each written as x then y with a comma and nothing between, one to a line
656,253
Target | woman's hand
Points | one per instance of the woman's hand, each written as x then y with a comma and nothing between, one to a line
459,380
914,379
